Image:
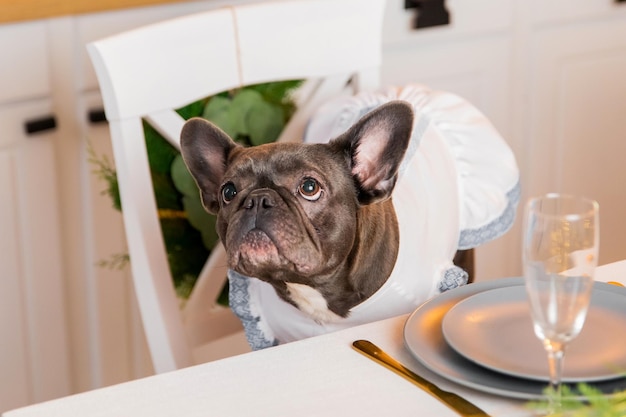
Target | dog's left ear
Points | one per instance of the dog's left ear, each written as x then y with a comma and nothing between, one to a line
375,146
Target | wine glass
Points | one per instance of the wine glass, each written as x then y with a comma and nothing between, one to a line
560,253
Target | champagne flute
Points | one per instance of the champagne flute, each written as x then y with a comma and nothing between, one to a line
560,253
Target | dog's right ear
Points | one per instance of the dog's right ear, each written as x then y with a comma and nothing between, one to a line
375,147
205,149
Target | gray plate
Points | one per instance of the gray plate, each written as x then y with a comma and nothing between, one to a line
494,329
423,337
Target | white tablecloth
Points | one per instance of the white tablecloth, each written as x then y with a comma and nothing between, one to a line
319,376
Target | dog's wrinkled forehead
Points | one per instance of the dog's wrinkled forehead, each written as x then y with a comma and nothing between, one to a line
273,161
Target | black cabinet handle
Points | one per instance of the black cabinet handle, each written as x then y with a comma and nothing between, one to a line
429,13
96,116
40,125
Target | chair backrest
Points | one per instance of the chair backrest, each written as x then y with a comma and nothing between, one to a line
146,73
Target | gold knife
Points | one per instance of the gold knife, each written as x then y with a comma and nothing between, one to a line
452,400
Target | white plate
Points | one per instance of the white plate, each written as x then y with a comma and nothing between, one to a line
423,337
494,329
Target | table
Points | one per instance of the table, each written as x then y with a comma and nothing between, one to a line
318,376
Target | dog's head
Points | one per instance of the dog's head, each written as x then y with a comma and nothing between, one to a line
291,212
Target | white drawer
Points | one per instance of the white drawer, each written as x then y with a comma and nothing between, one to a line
467,18
24,66
14,116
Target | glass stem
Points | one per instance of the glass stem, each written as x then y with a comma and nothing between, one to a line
555,362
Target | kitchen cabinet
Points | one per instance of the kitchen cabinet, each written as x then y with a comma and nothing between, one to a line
576,128
34,349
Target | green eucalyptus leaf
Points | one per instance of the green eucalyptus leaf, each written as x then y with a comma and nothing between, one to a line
160,152
114,192
201,220
194,109
165,193
182,178
160,156
186,252
277,92
243,104
218,111
265,122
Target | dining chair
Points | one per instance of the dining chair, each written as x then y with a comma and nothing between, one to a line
146,73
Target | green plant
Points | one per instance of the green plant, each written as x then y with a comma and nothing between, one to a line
251,115
584,401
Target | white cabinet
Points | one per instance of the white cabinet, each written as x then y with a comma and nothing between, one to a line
34,344
577,129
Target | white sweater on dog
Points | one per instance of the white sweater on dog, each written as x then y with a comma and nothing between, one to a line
458,188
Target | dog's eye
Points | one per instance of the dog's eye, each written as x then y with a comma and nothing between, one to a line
310,189
229,191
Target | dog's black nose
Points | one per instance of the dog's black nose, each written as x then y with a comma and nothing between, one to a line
260,199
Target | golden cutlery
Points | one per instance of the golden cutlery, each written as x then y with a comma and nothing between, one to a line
452,400
619,284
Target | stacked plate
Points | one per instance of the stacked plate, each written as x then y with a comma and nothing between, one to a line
481,336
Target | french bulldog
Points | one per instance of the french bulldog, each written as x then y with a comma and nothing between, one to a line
315,221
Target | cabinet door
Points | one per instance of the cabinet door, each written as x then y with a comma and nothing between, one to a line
470,57
577,127
24,67
33,339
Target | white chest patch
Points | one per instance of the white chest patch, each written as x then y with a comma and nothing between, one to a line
311,302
